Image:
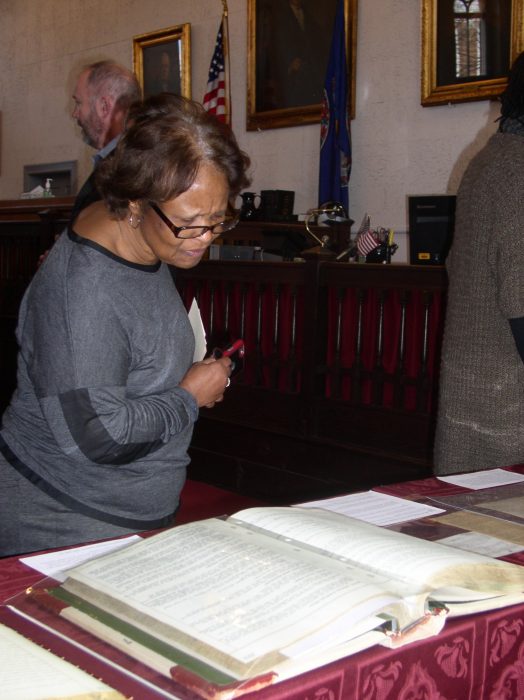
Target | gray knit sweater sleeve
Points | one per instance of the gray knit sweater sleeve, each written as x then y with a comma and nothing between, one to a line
103,347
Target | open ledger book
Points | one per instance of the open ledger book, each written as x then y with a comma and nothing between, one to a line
271,592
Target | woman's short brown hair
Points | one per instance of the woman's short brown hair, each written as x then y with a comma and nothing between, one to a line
167,139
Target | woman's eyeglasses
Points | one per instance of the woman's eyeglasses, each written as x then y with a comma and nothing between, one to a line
195,231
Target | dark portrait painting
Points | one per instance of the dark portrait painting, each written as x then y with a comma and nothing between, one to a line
162,60
293,39
289,44
162,68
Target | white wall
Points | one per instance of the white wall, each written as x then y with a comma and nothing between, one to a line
399,148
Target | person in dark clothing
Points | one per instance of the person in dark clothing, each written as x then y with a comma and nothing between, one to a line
103,94
94,442
480,421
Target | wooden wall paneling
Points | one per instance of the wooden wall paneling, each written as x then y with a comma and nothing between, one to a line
285,435
340,380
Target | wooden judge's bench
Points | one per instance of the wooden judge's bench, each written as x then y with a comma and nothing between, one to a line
339,386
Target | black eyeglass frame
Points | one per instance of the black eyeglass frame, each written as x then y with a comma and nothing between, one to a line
176,230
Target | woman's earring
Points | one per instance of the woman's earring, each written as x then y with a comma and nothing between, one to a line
134,221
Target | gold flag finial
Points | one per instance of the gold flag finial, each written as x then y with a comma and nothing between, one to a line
224,7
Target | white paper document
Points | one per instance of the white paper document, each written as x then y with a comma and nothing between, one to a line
481,544
28,672
195,319
484,479
376,508
55,564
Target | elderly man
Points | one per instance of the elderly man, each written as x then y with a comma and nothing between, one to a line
102,96
103,93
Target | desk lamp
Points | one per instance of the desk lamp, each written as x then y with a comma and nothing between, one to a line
328,213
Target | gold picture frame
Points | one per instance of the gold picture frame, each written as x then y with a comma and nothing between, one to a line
162,60
438,91
273,98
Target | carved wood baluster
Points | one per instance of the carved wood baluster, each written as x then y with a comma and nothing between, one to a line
198,293
219,310
242,329
423,377
399,374
16,266
274,360
212,330
197,296
356,370
292,356
378,370
243,294
227,305
335,370
258,351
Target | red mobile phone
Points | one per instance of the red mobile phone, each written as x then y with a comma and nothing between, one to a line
235,351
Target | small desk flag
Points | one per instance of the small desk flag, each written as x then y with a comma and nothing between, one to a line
335,138
217,100
366,239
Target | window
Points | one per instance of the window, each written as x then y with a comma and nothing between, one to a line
470,38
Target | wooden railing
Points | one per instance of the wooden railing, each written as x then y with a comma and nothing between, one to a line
340,380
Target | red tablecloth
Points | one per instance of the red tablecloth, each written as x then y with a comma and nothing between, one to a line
473,658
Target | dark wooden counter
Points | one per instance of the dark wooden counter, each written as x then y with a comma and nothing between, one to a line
340,381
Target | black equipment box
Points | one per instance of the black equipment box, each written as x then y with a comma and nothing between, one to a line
431,223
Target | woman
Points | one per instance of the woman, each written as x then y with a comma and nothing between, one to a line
94,442
480,422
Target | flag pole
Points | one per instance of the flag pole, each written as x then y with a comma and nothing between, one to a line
227,66
217,96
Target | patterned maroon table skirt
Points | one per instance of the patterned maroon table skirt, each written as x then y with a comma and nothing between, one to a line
479,657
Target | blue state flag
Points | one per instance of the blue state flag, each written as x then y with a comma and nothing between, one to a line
335,138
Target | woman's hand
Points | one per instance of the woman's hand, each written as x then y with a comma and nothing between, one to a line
207,380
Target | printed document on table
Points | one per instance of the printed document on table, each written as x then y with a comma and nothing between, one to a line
374,507
54,564
484,479
28,672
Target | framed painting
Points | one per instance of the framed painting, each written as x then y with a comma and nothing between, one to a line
162,60
468,47
288,51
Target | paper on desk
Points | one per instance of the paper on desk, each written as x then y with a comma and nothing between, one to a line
55,564
374,507
481,544
195,319
49,676
483,479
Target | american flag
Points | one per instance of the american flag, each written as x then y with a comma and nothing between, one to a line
366,240
216,99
